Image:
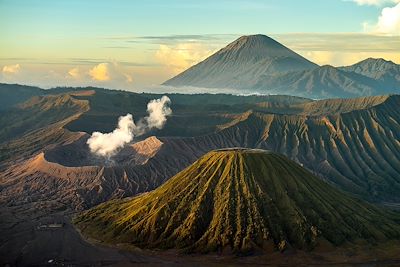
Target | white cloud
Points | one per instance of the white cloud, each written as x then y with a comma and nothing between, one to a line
11,69
181,56
100,72
389,21
110,71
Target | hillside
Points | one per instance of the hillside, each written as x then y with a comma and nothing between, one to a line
239,200
351,143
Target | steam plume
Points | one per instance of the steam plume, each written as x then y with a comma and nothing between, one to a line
158,110
108,144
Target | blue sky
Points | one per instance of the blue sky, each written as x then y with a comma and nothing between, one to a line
163,17
132,44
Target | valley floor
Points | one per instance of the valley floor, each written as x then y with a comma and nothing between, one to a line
31,236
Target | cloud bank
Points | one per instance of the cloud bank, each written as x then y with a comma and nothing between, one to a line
108,144
179,57
11,69
374,2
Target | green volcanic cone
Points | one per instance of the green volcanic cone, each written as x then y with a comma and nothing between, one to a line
240,200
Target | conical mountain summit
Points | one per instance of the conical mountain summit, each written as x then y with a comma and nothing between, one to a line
239,200
242,63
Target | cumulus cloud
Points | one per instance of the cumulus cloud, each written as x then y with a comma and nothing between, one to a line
11,69
109,71
100,72
108,144
111,74
181,56
389,21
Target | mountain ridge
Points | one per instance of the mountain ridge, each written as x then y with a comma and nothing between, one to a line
385,71
322,135
257,63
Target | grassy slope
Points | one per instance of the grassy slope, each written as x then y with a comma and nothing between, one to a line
240,201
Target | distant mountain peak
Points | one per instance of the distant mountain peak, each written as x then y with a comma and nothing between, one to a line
379,69
374,64
242,63
376,60
253,40
259,46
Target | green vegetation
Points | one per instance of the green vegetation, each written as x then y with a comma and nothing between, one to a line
240,201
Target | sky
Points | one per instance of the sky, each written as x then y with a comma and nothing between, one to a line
135,45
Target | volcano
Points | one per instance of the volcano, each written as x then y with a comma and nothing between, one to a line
243,63
239,200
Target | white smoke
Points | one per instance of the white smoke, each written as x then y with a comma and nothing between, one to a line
158,110
108,144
